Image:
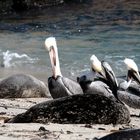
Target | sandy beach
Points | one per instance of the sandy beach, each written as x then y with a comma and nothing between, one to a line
36,131
109,29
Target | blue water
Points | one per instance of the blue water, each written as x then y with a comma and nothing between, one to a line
111,37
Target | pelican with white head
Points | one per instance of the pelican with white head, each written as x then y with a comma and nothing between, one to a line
59,86
133,72
51,46
97,66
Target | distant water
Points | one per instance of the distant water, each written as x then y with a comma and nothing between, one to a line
80,34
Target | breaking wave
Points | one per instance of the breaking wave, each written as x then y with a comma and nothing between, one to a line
13,59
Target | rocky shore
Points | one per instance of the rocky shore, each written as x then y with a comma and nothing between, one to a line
22,5
8,6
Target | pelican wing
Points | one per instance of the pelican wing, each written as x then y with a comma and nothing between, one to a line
57,88
109,73
72,86
99,87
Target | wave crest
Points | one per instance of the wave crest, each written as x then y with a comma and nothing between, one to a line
12,59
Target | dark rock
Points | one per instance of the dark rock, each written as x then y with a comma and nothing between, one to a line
88,125
69,132
78,1
95,138
2,113
22,5
19,5
101,128
5,5
42,128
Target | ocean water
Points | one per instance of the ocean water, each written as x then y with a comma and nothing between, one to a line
111,36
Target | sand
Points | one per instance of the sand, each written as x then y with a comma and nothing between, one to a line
36,131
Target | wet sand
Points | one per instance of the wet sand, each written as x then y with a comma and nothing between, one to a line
36,131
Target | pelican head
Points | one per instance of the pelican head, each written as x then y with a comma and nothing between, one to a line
49,43
95,64
51,46
131,65
133,72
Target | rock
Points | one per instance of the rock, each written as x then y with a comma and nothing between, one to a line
21,5
6,5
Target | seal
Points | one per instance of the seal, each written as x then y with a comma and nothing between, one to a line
76,109
128,134
22,86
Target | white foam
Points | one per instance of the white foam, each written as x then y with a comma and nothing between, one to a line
12,59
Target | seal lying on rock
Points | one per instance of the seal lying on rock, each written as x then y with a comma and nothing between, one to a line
129,134
76,109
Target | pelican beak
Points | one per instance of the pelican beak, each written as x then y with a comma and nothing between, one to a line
133,72
102,73
49,45
96,66
52,59
52,56
133,75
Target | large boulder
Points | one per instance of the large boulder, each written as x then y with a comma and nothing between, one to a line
5,5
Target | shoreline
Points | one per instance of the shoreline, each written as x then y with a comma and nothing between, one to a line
22,7
38,131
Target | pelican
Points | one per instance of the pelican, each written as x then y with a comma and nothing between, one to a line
22,86
129,90
105,83
59,86
77,108
133,78
124,96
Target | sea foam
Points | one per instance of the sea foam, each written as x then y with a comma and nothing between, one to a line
13,59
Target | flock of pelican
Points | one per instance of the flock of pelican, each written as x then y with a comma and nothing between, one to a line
104,83
102,95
